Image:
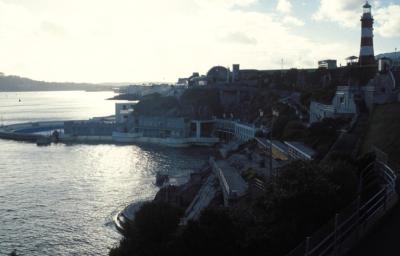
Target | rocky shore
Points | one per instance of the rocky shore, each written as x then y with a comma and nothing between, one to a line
182,196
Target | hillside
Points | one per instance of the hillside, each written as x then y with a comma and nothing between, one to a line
383,131
16,83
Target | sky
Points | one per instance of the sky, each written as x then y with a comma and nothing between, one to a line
162,40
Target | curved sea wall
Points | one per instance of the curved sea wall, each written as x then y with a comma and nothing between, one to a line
28,131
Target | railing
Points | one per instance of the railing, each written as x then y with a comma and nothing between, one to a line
225,186
342,232
240,130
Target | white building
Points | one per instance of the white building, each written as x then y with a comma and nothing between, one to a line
319,112
122,112
328,64
343,103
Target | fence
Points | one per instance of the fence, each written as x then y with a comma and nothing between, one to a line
226,190
342,232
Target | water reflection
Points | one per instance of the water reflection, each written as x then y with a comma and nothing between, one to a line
59,200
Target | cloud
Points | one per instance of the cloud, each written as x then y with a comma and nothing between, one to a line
142,40
216,4
343,12
388,20
293,21
239,37
346,13
284,6
52,29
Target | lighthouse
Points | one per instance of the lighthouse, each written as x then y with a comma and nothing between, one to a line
367,56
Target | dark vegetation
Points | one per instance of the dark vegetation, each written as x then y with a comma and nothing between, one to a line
322,135
319,136
201,103
194,103
204,103
295,204
383,131
152,231
322,95
249,109
286,118
157,105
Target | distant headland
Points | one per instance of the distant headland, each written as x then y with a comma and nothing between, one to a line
12,83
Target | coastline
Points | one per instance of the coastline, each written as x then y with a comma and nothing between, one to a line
181,196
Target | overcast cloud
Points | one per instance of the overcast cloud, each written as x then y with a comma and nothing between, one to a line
158,40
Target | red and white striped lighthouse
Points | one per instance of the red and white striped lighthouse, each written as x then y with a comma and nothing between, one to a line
367,56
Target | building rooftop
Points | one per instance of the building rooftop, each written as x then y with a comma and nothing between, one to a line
276,143
301,148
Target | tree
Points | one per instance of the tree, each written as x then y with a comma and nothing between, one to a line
302,199
214,233
294,130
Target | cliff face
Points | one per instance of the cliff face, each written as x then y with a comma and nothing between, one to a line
156,105
206,102
196,103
